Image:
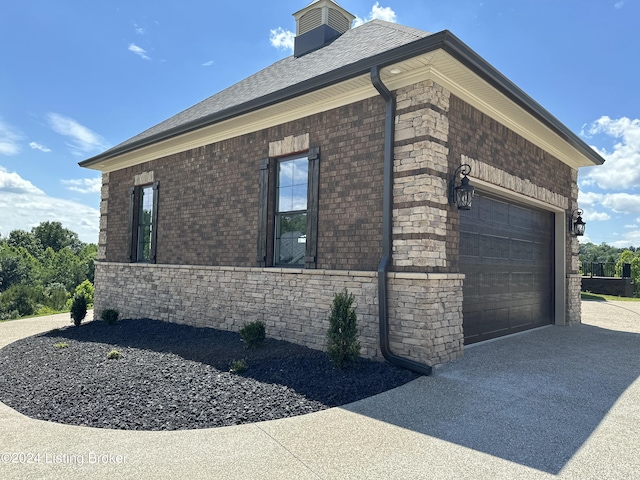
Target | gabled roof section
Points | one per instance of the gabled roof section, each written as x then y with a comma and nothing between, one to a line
349,58
368,40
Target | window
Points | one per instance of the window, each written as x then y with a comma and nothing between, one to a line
144,220
291,211
288,217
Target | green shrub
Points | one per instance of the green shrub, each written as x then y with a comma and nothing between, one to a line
46,311
78,309
238,367
342,337
55,296
20,300
109,315
253,334
61,345
86,289
114,355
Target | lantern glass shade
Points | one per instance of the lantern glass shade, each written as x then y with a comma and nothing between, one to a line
464,194
578,226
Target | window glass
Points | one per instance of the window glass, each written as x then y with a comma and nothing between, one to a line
145,224
291,216
292,184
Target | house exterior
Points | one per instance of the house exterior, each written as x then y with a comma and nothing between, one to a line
332,169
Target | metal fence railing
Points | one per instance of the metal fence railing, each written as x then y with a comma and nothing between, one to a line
605,269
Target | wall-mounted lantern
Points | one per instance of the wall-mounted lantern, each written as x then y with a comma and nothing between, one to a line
461,195
576,224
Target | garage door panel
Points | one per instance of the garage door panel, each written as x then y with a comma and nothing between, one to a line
508,265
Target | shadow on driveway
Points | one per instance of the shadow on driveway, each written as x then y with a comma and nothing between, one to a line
533,399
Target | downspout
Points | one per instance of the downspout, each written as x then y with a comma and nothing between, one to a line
387,223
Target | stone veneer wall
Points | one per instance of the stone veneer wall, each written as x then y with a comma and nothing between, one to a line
420,202
574,279
425,309
104,204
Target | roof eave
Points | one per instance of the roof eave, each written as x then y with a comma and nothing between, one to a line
442,40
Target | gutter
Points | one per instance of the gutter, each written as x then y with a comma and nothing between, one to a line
444,40
387,223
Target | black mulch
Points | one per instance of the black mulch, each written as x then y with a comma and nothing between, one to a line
175,377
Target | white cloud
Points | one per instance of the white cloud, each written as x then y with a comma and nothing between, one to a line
11,182
9,139
377,13
633,225
282,39
37,146
619,5
622,202
84,185
207,64
584,239
618,202
628,239
139,29
591,216
24,206
141,52
620,171
83,140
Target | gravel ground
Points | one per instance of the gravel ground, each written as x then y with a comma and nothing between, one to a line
174,377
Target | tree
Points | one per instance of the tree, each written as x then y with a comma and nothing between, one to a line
26,240
54,235
632,258
17,265
42,268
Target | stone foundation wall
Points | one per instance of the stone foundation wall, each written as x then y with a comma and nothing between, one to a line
425,309
574,282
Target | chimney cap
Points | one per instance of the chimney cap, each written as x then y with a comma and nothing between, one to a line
327,10
319,24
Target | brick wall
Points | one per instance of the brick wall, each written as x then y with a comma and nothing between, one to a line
425,309
502,157
208,207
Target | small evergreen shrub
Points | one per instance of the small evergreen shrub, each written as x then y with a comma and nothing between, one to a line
114,355
78,309
110,316
86,289
238,367
253,334
342,338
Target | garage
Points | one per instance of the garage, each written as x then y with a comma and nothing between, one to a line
507,256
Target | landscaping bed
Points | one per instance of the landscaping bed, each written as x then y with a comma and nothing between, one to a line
174,377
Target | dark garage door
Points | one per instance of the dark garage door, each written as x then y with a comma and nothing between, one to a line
507,255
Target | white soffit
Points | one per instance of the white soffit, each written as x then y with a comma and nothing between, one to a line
445,70
438,66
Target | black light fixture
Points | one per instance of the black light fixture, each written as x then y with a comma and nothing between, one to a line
462,195
576,224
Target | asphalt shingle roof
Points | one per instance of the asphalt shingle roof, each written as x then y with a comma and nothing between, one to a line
359,43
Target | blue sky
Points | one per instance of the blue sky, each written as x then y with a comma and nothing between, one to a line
80,76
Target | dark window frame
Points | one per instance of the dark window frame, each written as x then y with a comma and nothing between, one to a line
267,206
135,223
281,213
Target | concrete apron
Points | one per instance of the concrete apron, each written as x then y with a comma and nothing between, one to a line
559,402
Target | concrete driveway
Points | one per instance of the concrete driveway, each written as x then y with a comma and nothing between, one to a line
558,402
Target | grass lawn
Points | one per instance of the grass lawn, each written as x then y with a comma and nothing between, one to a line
604,298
